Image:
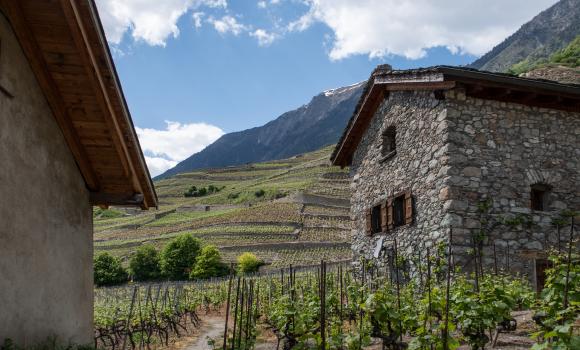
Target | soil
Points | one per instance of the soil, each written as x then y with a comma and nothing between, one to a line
211,328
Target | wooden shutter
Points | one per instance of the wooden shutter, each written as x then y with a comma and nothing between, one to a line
369,230
390,214
408,208
384,224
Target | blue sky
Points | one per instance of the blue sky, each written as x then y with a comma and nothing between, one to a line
192,70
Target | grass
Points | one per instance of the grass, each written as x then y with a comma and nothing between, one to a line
567,57
258,219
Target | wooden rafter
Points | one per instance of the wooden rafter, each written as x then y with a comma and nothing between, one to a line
97,82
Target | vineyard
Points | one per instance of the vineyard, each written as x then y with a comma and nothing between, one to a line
262,208
426,303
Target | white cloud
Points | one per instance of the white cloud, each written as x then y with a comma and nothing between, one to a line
197,18
228,24
409,27
264,38
263,3
158,165
165,148
151,21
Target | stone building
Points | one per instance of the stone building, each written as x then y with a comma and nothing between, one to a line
492,156
67,143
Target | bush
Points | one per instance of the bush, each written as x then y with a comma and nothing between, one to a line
178,256
570,55
208,264
234,195
145,264
193,191
108,270
248,263
260,193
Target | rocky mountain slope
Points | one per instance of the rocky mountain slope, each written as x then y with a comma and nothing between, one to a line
548,32
314,125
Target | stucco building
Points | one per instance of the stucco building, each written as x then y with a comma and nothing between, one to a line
492,156
66,143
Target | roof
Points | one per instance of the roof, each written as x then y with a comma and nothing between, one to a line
479,84
66,47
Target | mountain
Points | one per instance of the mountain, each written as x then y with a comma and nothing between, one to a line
310,127
536,40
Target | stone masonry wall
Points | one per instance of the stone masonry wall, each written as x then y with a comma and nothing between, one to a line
420,165
456,153
497,151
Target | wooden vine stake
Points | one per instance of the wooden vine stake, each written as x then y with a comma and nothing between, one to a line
568,262
322,304
227,312
447,287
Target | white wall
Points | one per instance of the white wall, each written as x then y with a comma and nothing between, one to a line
46,279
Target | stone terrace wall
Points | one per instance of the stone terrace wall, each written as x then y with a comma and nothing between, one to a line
497,151
420,165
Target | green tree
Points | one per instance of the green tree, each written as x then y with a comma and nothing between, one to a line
248,263
108,270
208,264
179,255
145,264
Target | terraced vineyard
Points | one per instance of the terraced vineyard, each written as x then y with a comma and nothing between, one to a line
292,211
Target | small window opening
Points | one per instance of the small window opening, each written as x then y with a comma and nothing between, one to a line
376,219
399,211
541,266
389,142
538,196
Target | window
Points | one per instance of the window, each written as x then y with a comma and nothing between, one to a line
389,142
376,219
394,212
399,211
539,196
541,266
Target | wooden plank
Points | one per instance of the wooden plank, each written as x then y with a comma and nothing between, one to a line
97,198
76,24
34,55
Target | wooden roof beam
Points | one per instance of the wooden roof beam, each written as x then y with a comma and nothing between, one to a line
80,36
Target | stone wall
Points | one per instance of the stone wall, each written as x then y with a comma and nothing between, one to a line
46,276
456,153
498,150
420,165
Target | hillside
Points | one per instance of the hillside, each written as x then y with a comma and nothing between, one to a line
548,32
301,216
310,127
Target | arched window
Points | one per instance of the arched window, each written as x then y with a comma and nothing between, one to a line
539,194
389,142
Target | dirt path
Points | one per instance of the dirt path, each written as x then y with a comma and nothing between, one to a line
213,328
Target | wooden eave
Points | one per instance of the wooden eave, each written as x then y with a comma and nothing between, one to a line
484,85
65,45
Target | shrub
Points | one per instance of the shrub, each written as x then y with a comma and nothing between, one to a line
178,256
570,55
233,195
108,270
260,193
208,264
193,191
248,263
145,264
